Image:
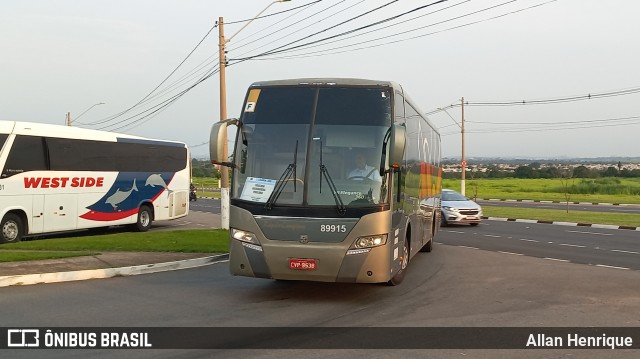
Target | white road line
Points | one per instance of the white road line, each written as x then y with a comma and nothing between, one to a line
467,247
621,251
515,254
529,240
491,235
556,259
614,267
595,233
571,245
459,232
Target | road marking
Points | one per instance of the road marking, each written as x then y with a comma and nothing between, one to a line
570,245
621,251
459,232
493,236
556,259
467,247
595,233
529,240
515,254
614,267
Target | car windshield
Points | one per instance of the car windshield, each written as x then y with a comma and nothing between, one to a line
453,196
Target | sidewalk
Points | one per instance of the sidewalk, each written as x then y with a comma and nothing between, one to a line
105,265
111,264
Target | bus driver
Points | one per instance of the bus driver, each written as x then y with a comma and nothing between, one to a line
364,171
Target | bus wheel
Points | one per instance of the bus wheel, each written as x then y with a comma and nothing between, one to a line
145,217
399,277
428,247
11,228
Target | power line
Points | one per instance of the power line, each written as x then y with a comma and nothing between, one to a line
563,99
301,22
160,84
558,126
275,13
325,51
283,47
235,45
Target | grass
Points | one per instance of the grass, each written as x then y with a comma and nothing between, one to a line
187,241
556,215
204,186
600,190
16,256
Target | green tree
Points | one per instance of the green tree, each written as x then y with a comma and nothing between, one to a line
581,172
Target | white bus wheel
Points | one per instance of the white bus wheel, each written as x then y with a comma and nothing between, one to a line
145,218
12,228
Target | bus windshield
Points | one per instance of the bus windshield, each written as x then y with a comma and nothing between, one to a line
313,146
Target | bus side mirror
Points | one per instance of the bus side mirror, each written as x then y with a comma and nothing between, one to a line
217,139
398,139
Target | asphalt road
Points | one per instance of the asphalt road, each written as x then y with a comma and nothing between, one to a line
583,245
450,287
563,206
205,205
521,275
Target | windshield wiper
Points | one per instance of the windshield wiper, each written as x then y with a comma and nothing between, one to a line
334,191
291,170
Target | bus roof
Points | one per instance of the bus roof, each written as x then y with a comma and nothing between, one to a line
329,81
60,131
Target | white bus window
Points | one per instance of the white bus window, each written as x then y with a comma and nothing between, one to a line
27,154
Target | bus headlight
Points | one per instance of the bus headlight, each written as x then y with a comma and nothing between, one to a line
243,236
371,241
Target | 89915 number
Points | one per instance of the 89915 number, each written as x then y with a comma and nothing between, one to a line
333,228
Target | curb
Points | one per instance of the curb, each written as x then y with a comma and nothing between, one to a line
29,279
557,202
571,224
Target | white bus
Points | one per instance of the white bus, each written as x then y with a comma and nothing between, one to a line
58,178
334,180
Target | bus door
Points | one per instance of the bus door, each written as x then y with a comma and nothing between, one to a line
37,214
61,212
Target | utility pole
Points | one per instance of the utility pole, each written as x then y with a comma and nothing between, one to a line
68,118
463,162
224,170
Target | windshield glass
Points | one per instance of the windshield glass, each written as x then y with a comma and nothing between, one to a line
453,196
277,144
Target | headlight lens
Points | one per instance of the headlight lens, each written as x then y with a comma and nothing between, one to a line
371,241
244,236
450,209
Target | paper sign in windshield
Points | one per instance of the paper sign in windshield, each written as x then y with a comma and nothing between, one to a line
257,189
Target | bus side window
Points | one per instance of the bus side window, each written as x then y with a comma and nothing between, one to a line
27,154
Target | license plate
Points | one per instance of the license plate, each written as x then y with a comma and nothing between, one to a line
303,264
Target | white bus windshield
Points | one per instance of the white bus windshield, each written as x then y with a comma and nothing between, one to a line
317,137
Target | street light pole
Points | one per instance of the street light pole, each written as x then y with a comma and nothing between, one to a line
224,170
463,162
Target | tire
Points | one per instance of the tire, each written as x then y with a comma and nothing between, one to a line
12,228
428,247
473,224
399,277
145,218
443,221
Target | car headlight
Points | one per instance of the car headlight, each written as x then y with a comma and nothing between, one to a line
450,209
370,241
244,236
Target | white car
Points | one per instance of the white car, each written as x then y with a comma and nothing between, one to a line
459,209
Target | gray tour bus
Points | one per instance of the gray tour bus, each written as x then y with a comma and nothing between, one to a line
334,180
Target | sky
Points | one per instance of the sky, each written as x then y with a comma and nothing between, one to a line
136,57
